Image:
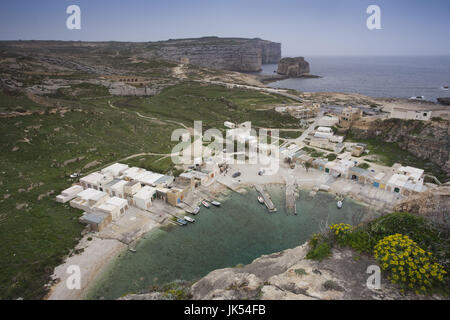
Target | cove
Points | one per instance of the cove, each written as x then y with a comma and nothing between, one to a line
238,232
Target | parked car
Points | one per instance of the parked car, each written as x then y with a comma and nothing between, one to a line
236,174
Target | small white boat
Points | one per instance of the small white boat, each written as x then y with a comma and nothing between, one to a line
196,210
189,219
260,200
445,88
216,203
417,98
339,204
205,204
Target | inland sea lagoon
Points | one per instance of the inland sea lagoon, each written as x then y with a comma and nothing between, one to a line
235,233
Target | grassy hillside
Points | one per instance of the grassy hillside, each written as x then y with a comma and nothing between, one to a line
39,152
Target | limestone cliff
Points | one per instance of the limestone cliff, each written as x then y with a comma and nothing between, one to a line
433,204
236,54
293,67
288,275
426,140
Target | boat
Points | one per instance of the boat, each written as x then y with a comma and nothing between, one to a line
260,199
189,219
445,88
339,204
181,221
196,210
132,250
216,203
205,204
417,98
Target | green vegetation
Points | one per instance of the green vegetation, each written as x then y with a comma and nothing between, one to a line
369,238
213,104
409,265
331,156
14,101
300,272
82,90
39,152
363,165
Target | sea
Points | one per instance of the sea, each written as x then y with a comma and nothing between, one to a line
238,232
377,76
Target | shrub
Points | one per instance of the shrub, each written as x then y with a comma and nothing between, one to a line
356,238
331,156
408,265
300,272
319,248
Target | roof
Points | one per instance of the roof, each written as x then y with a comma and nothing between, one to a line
360,171
93,178
164,179
119,185
115,168
320,161
93,218
91,194
72,189
118,202
145,193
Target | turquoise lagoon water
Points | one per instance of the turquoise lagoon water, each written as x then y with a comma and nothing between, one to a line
235,233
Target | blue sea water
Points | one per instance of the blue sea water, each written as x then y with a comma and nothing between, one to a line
399,77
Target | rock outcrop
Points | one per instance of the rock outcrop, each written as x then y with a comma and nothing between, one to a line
288,275
426,140
433,204
236,54
293,67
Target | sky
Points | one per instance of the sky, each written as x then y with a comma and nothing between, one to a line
304,27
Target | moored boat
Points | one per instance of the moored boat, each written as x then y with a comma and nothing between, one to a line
339,204
260,200
189,219
181,221
196,210
205,204
216,203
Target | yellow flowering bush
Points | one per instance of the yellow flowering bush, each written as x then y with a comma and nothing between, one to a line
340,229
407,264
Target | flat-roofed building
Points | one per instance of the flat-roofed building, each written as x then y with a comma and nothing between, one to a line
95,180
143,198
113,206
96,221
131,187
349,115
89,198
115,170
69,194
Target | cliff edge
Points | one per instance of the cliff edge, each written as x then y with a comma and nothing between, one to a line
235,54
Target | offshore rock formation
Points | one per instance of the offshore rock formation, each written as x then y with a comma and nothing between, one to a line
288,275
426,140
236,54
293,67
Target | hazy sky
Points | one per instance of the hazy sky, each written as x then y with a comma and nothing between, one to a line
304,27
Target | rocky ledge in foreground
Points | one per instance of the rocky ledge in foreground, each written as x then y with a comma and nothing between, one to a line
288,275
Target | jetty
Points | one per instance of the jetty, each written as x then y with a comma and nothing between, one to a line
267,200
291,206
